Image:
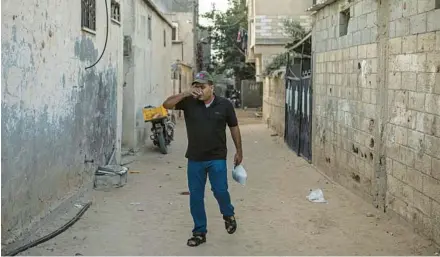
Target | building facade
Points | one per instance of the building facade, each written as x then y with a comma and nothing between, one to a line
204,49
147,67
376,120
266,35
60,116
183,37
74,81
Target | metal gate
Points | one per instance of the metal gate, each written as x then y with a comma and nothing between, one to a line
298,106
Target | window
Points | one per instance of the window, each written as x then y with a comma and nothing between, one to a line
149,27
175,32
164,38
344,18
116,11
88,14
437,4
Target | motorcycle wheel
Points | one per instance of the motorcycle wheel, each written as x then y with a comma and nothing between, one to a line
162,144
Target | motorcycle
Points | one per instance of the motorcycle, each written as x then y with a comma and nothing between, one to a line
163,123
235,99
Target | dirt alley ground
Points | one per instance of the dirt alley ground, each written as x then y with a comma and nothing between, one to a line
149,216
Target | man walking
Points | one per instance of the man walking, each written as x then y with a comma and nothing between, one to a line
206,116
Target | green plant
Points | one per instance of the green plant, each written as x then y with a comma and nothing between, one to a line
228,57
296,33
279,61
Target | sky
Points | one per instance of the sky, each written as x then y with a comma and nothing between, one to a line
206,6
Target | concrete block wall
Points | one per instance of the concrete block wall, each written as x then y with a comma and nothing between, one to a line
413,142
272,26
274,97
56,115
376,105
345,96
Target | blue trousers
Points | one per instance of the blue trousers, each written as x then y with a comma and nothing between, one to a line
218,176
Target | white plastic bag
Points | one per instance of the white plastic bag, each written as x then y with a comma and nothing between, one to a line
239,174
316,196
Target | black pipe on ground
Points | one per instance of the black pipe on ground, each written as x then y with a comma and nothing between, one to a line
51,235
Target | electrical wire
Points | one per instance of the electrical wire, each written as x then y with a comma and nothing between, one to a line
106,37
51,235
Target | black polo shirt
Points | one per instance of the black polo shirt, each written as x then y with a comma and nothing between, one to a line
206,127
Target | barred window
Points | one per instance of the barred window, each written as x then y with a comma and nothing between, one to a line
116,11
88,14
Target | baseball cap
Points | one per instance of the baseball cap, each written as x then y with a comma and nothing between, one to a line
203,77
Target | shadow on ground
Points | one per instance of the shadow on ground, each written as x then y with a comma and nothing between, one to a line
150,216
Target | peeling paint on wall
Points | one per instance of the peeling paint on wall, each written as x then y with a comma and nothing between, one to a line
55,114
85,49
